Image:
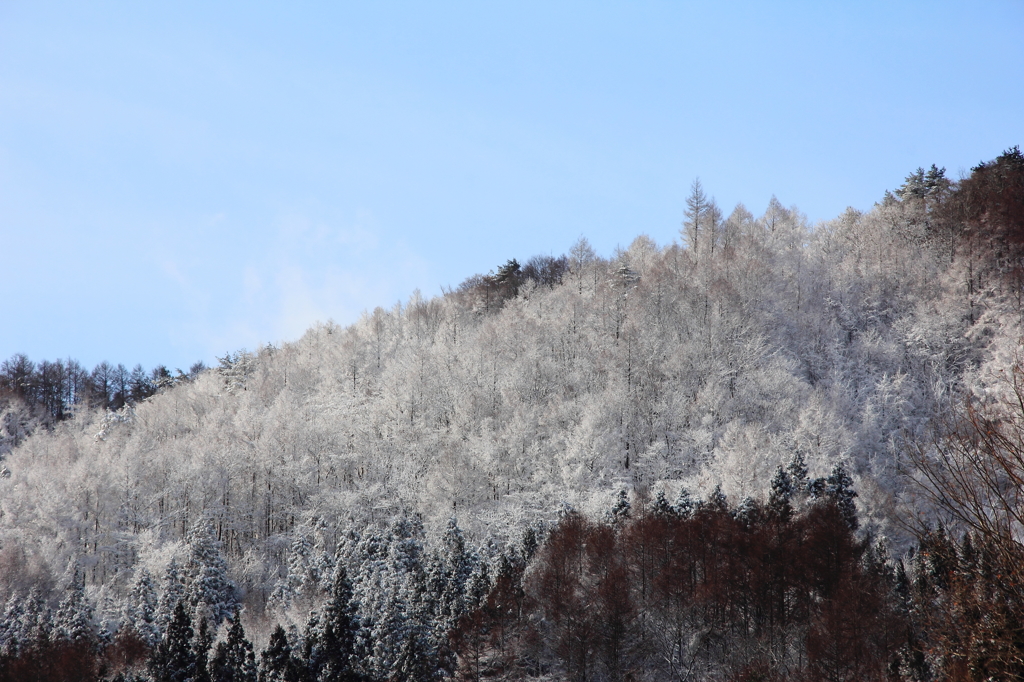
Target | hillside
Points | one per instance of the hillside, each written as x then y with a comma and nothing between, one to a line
559,382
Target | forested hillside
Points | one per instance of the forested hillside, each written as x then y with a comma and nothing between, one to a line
764,392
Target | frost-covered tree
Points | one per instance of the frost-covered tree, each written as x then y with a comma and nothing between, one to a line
201,646
139,612
173,593
661,506
210,592
10,632
74,619
685,504
620,510
717,500
333,656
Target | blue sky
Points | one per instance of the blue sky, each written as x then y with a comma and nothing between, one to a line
186,179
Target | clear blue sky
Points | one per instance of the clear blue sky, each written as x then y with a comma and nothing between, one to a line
182,179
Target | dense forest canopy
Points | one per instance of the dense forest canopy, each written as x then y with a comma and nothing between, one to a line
797,392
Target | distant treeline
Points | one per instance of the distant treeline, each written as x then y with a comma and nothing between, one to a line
59,386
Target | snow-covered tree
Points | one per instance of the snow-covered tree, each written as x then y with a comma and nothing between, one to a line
210,592
139,612
74,618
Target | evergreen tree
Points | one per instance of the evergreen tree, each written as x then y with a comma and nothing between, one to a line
298,578
9,626
798,472
661,507
717,499
140,609
748,512
36,624
781,495
234,660
530,543
685,505
210,592
620,510
174,659
74,615
478,586
839,489
412,664
276,662
173,592
202,645
457,568
339,630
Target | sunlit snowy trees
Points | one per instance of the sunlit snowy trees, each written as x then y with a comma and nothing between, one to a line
760,370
